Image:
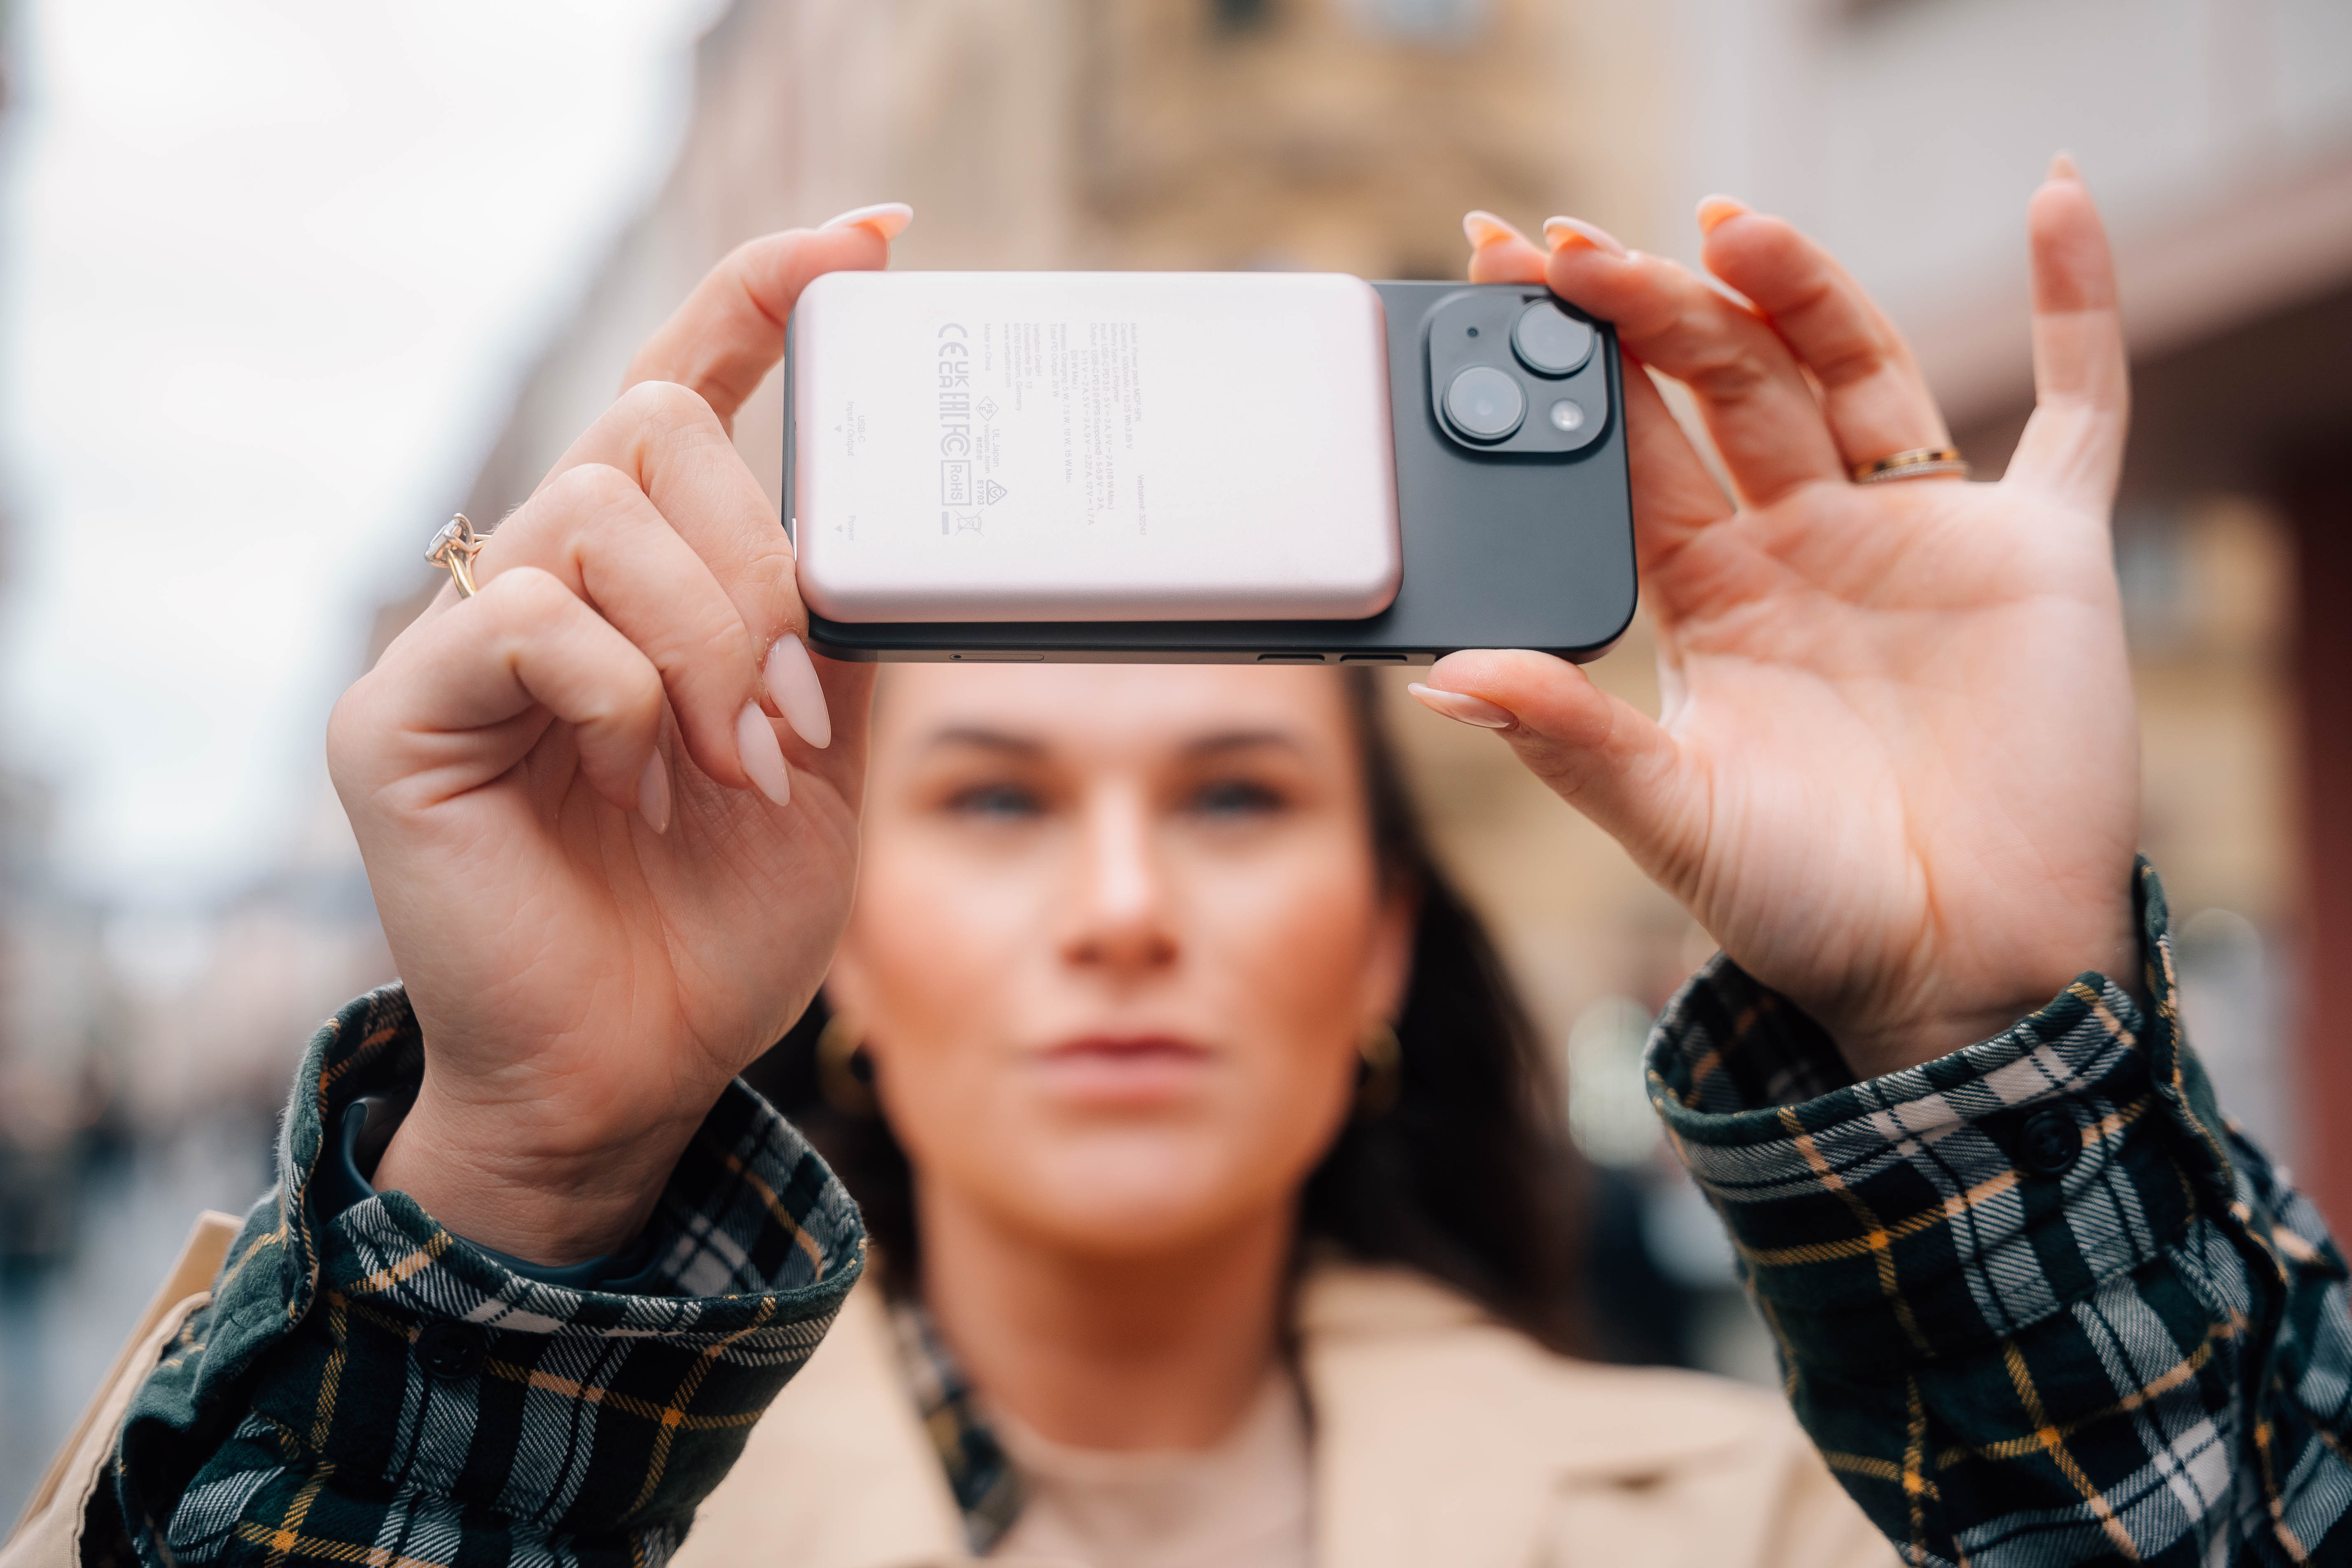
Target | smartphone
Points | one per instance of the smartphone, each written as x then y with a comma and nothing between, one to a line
1278,468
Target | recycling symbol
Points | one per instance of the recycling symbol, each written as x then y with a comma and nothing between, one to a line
992,492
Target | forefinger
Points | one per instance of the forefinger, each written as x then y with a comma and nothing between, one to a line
730,333
1757,403
665,439
1875,400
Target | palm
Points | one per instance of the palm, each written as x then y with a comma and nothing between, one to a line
1894,773
550,905
1860,684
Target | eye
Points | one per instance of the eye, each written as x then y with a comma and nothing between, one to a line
995,802
1232,798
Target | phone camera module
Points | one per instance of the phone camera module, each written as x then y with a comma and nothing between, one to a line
1513,372
1550,342
1483,404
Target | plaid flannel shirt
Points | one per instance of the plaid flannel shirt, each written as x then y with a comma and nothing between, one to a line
2034,1300
370,1389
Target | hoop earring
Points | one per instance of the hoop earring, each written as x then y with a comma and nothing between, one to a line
844,1068
1380,1074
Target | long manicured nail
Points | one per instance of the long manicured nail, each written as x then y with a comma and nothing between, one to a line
2061,167
1484,228
1718,210
653,793
1462,706
792,684
886,219
1559,233
763,759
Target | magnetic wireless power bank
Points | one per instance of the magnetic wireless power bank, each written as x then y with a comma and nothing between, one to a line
1522,539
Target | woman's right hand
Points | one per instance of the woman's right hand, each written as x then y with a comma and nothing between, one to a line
608,877
1896,772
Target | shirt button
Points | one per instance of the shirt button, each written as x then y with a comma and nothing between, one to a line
449,1349
2048,1143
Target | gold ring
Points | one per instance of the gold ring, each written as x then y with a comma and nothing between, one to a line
454,547
1918,463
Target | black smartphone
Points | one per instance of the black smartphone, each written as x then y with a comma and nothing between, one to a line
1173,467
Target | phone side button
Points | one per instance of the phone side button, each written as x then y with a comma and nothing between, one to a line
1371,659
1290,659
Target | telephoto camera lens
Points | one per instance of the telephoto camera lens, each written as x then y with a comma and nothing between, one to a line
1549,341
1485,404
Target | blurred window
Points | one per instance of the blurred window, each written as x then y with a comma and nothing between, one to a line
1425,21
2230,994
1608,1102
1240,16
2150,568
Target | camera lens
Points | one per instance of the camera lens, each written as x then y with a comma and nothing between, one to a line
1483,404
1549,341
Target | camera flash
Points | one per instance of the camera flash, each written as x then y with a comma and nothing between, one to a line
1567,415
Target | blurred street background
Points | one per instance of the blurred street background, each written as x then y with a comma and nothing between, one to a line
281,286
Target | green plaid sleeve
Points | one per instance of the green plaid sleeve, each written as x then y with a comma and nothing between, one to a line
370,1388
2035,1301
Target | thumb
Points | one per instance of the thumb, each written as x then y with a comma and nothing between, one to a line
2073,445
730,333
1598,752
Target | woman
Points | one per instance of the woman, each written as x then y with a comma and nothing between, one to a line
1128,950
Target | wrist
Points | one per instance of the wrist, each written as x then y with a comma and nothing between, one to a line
1875,1046
467,1167
1941,1018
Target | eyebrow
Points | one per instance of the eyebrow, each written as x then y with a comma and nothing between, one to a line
986,738
1028,746
1243,740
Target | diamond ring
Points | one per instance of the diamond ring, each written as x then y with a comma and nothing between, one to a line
454,547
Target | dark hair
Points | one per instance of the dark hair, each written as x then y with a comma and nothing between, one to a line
1465,1177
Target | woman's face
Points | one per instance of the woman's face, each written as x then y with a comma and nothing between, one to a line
1118,936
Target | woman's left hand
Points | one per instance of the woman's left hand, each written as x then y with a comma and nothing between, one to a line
1897,771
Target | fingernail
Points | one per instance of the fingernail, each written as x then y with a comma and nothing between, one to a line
792,684
2061,167
886,219
763,759
1559,233
1462,706
1484,228
653,793
1718,210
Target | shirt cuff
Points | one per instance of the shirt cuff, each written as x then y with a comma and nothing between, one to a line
363,1341
1945,1206
345,1179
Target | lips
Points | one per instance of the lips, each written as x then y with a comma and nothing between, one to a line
1124,1069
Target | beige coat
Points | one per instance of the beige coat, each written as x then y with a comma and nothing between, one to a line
1440,1437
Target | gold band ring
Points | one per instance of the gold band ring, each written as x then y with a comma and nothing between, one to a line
1918,463
454,547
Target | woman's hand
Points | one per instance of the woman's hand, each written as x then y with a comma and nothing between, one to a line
1896,775
609,877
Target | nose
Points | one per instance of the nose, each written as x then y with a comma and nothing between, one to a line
1120,916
